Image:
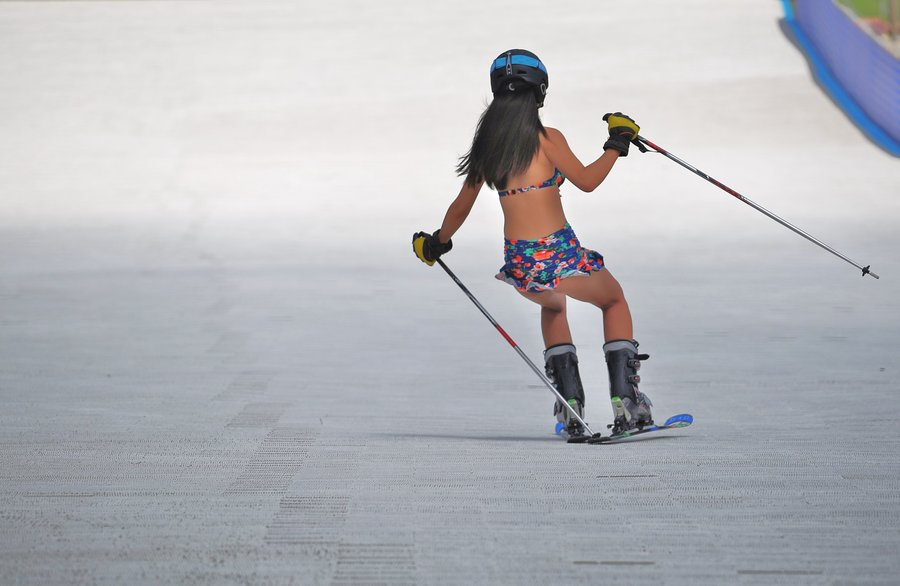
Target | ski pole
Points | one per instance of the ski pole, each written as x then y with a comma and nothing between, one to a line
642,143
506,337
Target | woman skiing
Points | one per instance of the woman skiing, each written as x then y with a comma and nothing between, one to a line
527,162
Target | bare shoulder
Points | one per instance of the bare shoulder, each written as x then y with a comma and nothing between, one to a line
553,135
553,142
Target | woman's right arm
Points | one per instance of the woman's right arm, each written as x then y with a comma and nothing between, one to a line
584,177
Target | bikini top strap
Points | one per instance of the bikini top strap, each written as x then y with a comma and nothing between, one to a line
556,179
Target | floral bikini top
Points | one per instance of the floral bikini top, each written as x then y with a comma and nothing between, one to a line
557,180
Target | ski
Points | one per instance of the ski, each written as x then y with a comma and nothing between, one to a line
570,438
674,422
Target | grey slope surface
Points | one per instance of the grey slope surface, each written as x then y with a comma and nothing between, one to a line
220,363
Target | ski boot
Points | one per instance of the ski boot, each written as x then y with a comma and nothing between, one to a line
561,365
631,408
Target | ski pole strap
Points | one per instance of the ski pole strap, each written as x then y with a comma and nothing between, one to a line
637,141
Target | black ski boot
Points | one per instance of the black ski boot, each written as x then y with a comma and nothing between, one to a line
631,408
562,370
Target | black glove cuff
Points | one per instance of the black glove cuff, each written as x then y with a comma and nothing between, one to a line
439,246
619,143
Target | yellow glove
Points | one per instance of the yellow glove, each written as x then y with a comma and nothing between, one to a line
622,130
428,247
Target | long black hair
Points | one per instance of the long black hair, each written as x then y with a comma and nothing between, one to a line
506,140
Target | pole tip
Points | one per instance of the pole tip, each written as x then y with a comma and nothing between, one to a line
867,271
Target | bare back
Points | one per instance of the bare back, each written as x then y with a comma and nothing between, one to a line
533,214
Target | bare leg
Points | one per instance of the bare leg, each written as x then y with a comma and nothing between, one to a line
554,324
561,362
602,289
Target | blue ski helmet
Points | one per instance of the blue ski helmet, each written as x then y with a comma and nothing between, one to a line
518,70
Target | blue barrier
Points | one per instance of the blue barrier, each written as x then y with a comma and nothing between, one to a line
861,75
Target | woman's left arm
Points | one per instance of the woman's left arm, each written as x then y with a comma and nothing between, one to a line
459,210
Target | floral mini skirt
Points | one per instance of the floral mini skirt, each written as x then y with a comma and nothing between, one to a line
539,265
